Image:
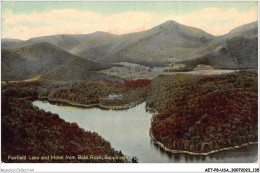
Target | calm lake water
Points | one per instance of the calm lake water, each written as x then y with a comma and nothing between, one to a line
128,131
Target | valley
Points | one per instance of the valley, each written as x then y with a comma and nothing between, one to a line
175,97
200,88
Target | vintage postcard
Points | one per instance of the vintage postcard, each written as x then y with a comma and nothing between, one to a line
129,82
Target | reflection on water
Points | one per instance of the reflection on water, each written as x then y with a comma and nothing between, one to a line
128,131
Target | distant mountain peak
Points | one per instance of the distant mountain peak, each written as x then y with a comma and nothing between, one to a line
249,30
169,23
247,26
101,33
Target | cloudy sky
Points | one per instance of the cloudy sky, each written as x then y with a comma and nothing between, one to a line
24,20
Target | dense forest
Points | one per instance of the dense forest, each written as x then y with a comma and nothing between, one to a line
195,113
28,131
97,92
201,114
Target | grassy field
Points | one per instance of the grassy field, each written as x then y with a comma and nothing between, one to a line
132,71
27,80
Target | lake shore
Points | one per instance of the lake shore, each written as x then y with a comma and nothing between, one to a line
98,105
149,110
155,112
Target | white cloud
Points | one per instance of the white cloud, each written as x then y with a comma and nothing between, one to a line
217,21
72,21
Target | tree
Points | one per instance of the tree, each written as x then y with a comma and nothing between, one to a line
134,159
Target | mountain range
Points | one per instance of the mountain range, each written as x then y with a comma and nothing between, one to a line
170,42
48,61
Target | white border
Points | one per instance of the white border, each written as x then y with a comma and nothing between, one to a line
140,167
103,167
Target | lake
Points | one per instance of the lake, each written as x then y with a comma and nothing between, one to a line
128,131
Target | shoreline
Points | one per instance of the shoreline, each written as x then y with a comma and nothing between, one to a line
194,153
155,112
152,111
98,105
